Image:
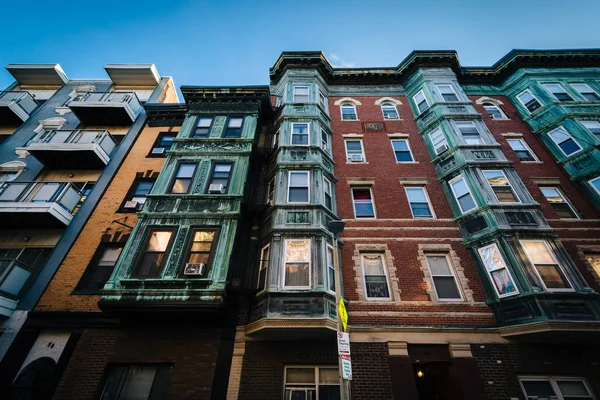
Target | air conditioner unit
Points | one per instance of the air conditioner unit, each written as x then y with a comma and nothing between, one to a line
132,204
194,269
356,157
158,150
216,188
441,149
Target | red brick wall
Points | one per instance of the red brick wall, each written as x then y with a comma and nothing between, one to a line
371,377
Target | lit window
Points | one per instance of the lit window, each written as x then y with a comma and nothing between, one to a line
389,111
203,127
263,268
363,203
587,92
555,388
271,192
152,259
564,141
375,272
595,184
164,142
300,135
438,140
500,186
522,150
219,179
498,271
327,191
494,111
593,127
529,101
402,151
136,382
559,202
462,194
348,112
297,264
298,188
182,181
301,94
234,127
312,383
419,202
558,91
199,252
469,132
421,101
539,254
330,270
442,275
447,92
354,151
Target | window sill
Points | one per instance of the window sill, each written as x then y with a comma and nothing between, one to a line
350,120
352,163
531,162
407,162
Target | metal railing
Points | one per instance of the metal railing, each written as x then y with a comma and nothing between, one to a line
110,97
22,99
80,136
64,194
14,277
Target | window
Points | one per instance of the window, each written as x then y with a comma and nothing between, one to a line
375,272
300,134
182,181
323,100
348,112
494,111
301,94
593,127
594,260
100,268
203,127
153,257
389,111
324,140
219,180
447,92
587,92
529,101
312,383
558,91
298,188
469,132
559,202
442,275
595,184
263,268
438,140
419,202
19,268
138,191
402,151
421,101
275,142
462,194
354,151
8,176
555,388
564,140
539,254
327,191
297,264
498,272
330,269
136,381
271,192
363,203
522,150
163,142
500,186
234,127
199,252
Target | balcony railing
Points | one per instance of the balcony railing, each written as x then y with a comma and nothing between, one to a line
14,277
16,106
65,194
106,108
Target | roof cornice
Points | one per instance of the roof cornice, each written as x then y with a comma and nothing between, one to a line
165,114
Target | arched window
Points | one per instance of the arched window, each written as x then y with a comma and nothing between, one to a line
10,170
348,112
494,111
389,111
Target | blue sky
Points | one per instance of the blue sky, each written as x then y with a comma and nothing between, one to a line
235,42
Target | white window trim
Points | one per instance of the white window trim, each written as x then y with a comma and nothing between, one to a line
292,134
288,187
507,181
271,200
583,121
456,197
324,98
523,104
464,138
294,93
409,151
387,103
329,247
524,143
558,145
385,271
592,185
325,182
362,148
561,86
565,200
580,94
417,104
315,386
443,136
553,258
497,107
456,280
552,380
355,112
433,216
437,86
372,201
309,264
489,272
262,252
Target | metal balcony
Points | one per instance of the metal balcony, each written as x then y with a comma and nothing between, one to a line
106,108
77,149
37,204
16,107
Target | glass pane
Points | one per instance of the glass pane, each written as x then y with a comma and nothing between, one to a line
594,260
300,128
298,178
138,384
559,135
186,170
204,122
296,275
505,194
400,145
201,246
491,258
364,209
181,185
373,264
329,392
150,265
569,146
541,389
460,187
538,253
516,145
551,276
403,156
15,281
109,256
416,195
29,256
563,210
298,139
198,258
355,145
446,288
235,122
503,281
466,202
467,128
496,178
298,195
297,251
329,376
143,188
376,286
439,265
361,194
222,167
420,209
572,388
46,191
159,240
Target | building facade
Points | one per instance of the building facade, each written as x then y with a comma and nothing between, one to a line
470,258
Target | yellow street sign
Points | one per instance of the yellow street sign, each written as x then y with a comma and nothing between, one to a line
343,314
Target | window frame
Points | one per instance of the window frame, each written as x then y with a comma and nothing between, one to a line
416,103
214,164
294,94
82,285
329,248
412,157
581,93
354,201
591,182
523,103
527,148
131,194
504,266
554,384
271,194
497,108
325,144
451,184
429,205
327,182
209,128
241,128
389,105
301,134
140,256
565,200
303,387
348,104
156,144
564,91
438,85
558,144
188,246
385,272
283,275
322,100
174,176
160,383
466,138
362,148
451,268
433,146
261,260
595,135
508,183
558,266
289,186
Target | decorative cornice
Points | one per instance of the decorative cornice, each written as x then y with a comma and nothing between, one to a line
162,114
550,326
296,323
